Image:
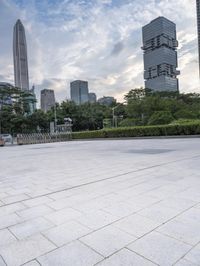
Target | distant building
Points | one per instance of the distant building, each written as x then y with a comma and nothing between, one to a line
160,55
198,28
47,99
79,91
107,100
5,100
92,97
32,100
20,57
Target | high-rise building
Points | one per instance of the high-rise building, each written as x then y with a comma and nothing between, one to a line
160,55
20,57
107,100
79,91
92,97
47,99
6,99
198,28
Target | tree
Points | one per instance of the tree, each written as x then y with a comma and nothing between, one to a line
161,118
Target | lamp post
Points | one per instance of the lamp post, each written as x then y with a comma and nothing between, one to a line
55,118
113,114
0,118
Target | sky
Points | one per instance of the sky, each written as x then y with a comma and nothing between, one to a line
95,40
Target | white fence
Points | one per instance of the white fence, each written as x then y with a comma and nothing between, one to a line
36,138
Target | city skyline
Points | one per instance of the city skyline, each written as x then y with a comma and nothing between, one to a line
112,63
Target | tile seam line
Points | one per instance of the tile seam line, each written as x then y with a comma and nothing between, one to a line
101,180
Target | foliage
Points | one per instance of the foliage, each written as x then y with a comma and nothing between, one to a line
160,118
142,107
128,122
141,131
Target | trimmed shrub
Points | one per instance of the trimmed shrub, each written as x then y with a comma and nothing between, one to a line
141,131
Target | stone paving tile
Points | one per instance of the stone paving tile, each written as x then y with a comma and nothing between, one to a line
194,255
108,240
177,203
13,199
2,263
59,204
30,227
184,262
159,213
37,201
20,252
126,257
6,237
183,231
160,249
191,214
59,217
73,254
32,263
66,233
9,220
127,176
136,225
121,209
5,210
34,212
97,219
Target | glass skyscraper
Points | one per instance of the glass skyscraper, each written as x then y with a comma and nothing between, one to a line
79,91
198,28
160,55
20,57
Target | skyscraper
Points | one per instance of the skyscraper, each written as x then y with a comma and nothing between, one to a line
79,91
92,97
47,99
160,55
198,28
20,57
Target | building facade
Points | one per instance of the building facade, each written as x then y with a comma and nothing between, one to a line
79,91
47,99
6,99
160,55
107,100
92,97
198,28
20,57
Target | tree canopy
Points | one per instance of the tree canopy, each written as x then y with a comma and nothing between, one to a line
141,107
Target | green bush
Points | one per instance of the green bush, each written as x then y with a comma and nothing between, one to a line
160,118
182,121
141,131
128,122
185,114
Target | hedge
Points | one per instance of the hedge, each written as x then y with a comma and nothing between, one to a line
141,131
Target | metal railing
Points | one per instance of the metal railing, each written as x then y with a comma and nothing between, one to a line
37,138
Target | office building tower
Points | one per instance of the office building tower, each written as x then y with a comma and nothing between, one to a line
47,99
198,28
92,97
20,57
6,99
160,55
107,100
79,91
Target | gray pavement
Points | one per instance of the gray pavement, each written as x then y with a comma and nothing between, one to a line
112,202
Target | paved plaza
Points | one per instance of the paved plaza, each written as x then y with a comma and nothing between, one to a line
106,203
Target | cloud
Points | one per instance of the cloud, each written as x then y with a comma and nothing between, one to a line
95,40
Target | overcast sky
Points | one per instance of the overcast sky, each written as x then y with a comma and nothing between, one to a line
95,40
